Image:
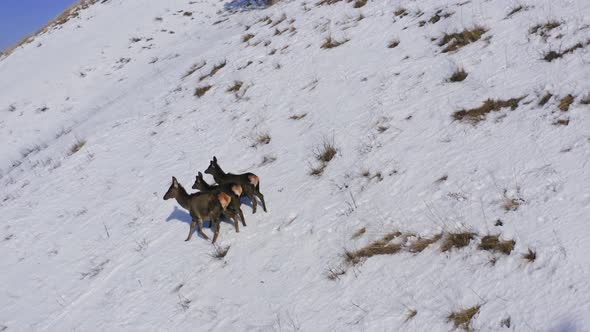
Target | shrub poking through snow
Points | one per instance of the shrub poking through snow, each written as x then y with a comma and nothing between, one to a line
478,114
359,3
462,318
235,87
298,116
324,154
493,243
459,75
530,255
330,42
194,68
261,139
544,29
335,273
200,91
456,240
400,12
565,102
77,146
456,40
552,55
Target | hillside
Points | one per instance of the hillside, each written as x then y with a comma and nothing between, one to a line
457,196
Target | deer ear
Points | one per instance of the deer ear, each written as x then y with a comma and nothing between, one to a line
215,159
200,174
174,182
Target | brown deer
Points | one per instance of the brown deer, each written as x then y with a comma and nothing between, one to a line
201,206
232,189
250,182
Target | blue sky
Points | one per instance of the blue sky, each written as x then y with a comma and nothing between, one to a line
19,18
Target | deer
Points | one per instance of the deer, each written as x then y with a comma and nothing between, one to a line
201,206
249,181
232,189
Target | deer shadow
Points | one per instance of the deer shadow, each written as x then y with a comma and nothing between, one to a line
182,215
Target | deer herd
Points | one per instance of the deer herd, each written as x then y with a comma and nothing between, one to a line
213,201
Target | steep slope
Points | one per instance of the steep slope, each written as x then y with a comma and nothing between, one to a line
98,113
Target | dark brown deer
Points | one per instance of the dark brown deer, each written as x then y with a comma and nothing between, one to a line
201,206
249,181
232,189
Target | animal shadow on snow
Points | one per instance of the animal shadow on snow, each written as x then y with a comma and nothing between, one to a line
181,215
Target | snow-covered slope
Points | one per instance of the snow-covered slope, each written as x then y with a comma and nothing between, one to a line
89,244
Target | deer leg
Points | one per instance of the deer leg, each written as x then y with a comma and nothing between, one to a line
236,206
200,228
232,214
216,223
192,229
252,199
261,196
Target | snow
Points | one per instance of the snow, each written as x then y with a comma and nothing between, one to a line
88,243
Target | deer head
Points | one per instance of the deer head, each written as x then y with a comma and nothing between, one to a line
200,183
173,190
213,166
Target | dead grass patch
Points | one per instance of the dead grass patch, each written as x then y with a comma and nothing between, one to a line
335,273
462,318
247,37
545,99
456,240
565,102
422,243
379,247
478,114
438,15
359,3
261,139
200,91
400,12
456,40
552,55
213,71
493,243
410,314
561,122
220,252
194,68
544,29
77,146
325,152
330,42
458,76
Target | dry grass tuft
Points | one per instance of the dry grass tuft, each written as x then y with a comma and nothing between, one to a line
379,247
442,179
393,43
562,122
213,71
400,12
359,3
545,99
459,75
262,139
544,29
325,152
530,256
478,114
462,319
358,233
318,170
456,240
516,10
585,100
77,146
455,41
438,15
332,43
247,37
200,91
422,243
512,204
235,87
220,252
493,243
565,102
410,314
